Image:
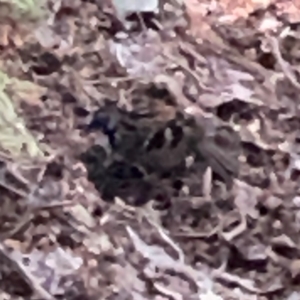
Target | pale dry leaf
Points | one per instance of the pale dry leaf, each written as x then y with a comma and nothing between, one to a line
197,12
273,202
284,240
129,6
45,271
156,254
257,252
141,55
239,75
82,215
269,24
98,243
207,183
170,293
246,198
17,40
4,35
125,7
211,100
296,201
158,258
209,295
50,268
239,91
251,135
295,268
46,36
16,259
293,296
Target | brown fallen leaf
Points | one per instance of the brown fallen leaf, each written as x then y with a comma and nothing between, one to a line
295,268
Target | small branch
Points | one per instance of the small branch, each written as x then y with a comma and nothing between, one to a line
285,67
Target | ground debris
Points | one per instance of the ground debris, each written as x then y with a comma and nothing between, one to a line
102,199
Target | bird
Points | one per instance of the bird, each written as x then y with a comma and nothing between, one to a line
152,142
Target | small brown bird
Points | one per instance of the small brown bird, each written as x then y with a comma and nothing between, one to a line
156,139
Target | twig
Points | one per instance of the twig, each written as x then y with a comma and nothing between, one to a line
26,218
238,230
181,64
29,278
285,67
197,235
29,215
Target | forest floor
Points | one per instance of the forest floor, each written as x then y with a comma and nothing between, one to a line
236,60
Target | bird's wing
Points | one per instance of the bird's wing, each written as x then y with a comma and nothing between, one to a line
224,163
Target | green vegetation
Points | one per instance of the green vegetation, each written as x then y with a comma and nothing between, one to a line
15,139
23,9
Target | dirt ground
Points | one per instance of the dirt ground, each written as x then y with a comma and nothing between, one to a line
233,62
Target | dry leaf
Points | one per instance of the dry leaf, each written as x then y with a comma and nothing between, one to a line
125,7
246,198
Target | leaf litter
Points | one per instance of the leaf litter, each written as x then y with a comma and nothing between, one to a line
231,63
